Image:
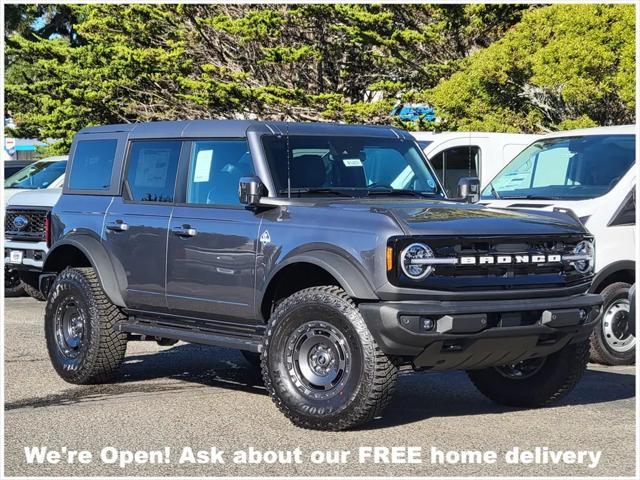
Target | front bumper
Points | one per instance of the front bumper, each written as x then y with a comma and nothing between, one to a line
33,254
478,334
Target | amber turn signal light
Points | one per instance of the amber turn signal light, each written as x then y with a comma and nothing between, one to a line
389,259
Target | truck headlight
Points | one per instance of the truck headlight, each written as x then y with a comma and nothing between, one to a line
584,256
414,261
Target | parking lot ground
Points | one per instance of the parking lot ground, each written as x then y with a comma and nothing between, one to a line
200,397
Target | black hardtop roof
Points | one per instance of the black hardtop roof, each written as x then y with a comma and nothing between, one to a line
239,129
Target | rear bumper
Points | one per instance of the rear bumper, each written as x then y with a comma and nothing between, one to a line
478,334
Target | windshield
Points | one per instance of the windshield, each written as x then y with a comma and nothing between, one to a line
36,175
570,168
353,166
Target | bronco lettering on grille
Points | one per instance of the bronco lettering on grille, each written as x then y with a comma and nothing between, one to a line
509,259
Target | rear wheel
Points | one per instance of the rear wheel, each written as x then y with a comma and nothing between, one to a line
80,328
320,364
535,382
13,286
613,341
33,292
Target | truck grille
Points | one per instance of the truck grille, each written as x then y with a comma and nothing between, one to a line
512,276
25,224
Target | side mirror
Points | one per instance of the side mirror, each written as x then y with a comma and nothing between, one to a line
469,189
250,191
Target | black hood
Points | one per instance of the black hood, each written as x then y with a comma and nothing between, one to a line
443,217
477,220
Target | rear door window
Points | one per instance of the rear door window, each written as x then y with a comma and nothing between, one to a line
151,171
92,164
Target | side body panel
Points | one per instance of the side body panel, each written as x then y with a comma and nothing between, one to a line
298,233
212,273
140,251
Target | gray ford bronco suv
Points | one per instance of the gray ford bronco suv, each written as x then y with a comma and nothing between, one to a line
328,253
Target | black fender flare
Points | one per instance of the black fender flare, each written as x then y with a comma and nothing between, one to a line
349,276
99,259
609,270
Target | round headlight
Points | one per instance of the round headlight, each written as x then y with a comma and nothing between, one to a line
412,260
584,249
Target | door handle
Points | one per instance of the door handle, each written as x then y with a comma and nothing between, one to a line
184,231
118,226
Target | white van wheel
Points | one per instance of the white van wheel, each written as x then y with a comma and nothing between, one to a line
612,342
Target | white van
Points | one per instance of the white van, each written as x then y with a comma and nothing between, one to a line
591,173
454,155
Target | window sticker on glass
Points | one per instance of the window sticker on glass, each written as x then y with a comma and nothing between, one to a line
202,168
352,162
152,168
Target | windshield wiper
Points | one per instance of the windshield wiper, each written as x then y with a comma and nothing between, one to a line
397,191
325,190
494,192
531,197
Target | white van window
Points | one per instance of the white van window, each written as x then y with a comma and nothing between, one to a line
455,163
569,168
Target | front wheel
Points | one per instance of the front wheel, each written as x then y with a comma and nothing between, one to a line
80,328
535,382
320,364
613,341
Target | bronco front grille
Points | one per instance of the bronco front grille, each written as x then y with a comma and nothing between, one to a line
476,277
25,224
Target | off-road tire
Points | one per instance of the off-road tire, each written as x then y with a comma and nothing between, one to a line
33,292
252,358
601,352
557,376
103,347
368,384
14,288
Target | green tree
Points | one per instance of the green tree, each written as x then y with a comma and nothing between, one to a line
562,66
101,63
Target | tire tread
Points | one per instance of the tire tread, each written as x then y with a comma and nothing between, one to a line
381,379
112,344
518,395
33,292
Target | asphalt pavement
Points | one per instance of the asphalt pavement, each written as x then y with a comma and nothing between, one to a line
168,400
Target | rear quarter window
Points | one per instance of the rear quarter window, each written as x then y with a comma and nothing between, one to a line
92,164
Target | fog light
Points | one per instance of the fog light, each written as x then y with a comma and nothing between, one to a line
428,324
582,313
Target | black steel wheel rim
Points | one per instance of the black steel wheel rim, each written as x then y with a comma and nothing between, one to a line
318,359
521,370
69,327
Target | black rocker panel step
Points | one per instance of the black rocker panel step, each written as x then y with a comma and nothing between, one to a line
192,334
